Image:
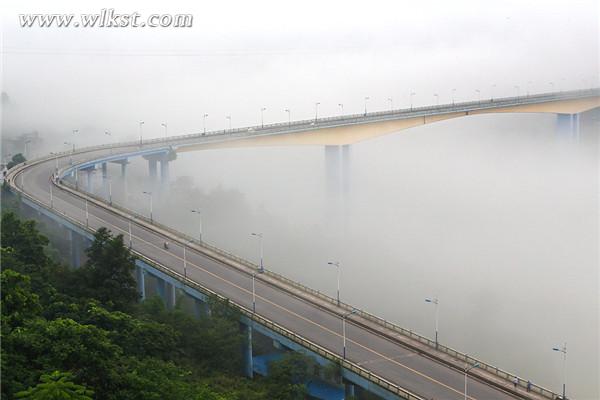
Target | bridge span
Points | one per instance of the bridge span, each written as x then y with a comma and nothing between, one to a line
378,356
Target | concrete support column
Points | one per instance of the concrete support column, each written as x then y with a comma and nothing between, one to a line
201,308
172,299
349,389
346,169
247,349
332,168
141,282
567,126
76,246
104,170
152,164
161,290
123,169
164,171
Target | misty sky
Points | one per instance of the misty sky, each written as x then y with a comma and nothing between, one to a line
241,56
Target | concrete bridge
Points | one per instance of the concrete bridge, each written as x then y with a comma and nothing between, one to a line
373,355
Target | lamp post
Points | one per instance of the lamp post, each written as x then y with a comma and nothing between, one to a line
262,116
72,151
141,123
341,106
107,133
199,212
478,96
87,214
467,369
551,85
204,123
564,351
366,99
130,235
528,84
228,117
337,265
287,110
344,316
517,87
149,194
51,199
164,125
109,191
55,161
317,111
253,292
184,261
435,301
391,100
261,268
411,100
453,93
492,92
437,99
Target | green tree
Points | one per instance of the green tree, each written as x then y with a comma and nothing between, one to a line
19,303
288,375
27,244
108,274
16,159
56,386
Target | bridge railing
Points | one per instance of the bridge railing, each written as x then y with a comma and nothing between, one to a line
351,366
431,344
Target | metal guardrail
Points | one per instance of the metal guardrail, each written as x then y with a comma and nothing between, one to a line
362,372
333,301
316,124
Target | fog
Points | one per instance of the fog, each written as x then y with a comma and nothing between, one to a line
495,215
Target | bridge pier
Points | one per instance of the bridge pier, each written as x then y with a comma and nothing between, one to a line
164,171
141,282
104,170
567,126
337,169
152,163
247,349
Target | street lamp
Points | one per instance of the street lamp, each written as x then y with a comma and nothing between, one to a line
564,351
411,100
366,99
141,123
492,92
437,99
435,301
109,191
316,111
107,133
253,292
228,117
164,124
528,84
467,369
199,212
204,123
261,268
149,194
344,316
287,110
337,265
55,161
478,96
391,100
551,85
453,92
341,106
517,87
262,116
72,151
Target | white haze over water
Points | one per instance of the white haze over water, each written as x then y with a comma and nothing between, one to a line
490,213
